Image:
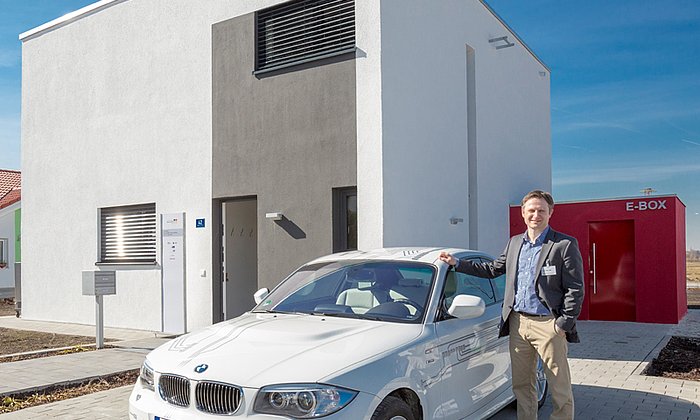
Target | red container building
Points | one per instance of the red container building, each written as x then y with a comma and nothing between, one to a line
633,253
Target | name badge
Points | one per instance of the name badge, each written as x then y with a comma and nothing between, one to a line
549,270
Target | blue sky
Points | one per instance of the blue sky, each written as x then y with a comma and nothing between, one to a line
625,91
625,95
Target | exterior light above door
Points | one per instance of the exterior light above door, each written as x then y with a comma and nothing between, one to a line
274,216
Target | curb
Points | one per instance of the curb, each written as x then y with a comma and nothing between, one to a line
42,351
642,367
22,393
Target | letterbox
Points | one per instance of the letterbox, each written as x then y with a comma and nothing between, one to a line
99,283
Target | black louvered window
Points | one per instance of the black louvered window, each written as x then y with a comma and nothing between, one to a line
302,31
128,234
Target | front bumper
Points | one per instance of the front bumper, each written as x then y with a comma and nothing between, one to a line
145,404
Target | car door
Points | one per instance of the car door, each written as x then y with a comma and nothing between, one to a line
475,361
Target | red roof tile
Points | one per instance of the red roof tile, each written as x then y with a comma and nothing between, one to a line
8,180
10,187
11,197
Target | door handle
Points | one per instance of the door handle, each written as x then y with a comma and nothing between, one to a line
595,283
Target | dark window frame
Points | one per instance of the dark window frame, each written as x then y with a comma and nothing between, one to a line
4,252
341,225
127,235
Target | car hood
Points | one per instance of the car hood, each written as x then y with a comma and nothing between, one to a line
255,350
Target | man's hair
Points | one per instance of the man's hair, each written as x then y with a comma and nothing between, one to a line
544,195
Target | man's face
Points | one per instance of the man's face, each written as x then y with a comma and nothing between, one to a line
536,214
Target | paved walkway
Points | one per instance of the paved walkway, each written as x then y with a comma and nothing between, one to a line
133,345
606,370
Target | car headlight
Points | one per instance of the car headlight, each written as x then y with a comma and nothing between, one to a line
146,376
303,401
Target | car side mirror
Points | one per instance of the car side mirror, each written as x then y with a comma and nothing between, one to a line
261,294
467,307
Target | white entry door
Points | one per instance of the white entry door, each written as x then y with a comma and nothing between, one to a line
240,267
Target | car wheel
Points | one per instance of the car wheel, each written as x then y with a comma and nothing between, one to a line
541,383
393,408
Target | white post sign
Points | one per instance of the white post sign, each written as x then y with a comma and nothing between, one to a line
172,227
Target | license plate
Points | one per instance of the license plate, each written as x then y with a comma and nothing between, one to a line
159,418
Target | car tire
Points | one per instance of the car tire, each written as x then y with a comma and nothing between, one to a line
393,408
541,384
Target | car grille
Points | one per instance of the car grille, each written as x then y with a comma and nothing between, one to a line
174,389
217,398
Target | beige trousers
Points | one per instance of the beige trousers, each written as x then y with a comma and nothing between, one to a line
529,337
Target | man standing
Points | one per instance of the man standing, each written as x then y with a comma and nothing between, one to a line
543,297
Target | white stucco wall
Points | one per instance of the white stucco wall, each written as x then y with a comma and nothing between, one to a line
116,109
423,121
7,231
368,82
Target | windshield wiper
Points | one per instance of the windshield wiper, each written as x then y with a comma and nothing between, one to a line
272,311
348,315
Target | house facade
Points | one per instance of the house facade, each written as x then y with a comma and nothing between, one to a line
212,149
10,236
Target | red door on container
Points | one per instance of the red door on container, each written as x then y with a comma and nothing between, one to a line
611,271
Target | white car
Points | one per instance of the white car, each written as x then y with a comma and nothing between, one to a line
384,335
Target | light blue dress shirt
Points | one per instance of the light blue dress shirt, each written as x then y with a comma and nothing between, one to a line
525,297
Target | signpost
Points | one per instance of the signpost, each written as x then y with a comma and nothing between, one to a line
98,284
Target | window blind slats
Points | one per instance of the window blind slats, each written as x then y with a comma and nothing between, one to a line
128,234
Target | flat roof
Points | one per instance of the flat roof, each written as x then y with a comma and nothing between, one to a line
68,18
103,4
597,200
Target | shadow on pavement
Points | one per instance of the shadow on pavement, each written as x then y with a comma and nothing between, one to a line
593,402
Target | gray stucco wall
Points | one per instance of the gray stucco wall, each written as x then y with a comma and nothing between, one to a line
286,138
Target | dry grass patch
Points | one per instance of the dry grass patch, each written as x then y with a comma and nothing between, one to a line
7,307
692,270
20,341
14,402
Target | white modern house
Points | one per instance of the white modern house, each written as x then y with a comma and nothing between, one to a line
202,150
10,236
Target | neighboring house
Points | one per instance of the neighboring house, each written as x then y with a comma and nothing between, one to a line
203,150
10,214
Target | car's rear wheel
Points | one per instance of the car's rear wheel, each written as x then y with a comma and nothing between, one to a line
541,383
393,408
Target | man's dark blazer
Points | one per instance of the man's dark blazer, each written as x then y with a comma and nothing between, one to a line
561,293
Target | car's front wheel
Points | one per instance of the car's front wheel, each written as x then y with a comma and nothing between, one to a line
393,408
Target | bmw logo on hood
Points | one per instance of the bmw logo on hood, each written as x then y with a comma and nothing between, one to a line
201,368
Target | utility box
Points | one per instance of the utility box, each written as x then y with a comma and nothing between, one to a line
99,283
633,253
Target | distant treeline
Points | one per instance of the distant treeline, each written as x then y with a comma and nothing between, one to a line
692,255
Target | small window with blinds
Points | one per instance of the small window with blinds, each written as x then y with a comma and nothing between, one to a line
128,234
302,31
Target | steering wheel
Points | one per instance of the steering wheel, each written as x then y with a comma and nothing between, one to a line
418,307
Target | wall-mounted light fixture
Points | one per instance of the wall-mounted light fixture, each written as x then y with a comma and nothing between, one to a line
274,216
501,42
455,220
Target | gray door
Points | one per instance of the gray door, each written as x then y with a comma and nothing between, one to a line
240,266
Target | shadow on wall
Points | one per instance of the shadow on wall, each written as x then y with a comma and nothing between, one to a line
291,228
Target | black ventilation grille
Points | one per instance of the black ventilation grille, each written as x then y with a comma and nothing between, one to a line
302,31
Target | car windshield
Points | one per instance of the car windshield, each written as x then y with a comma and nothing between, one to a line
394,291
